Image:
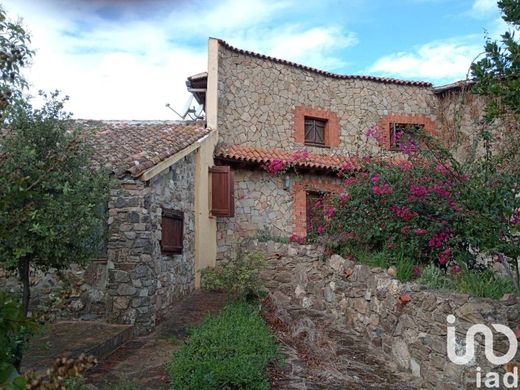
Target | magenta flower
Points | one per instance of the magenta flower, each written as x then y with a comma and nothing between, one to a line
408,147
348,166
349,181
321,229
295,238
420,232
330,212
456,269
441,168
300,155
405,165
405,229
438,239
344,199
418,191
382,190
444,256
375,179
276,166
417,271
402,212
373,132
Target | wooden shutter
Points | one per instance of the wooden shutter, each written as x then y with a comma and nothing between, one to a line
222,191
315,131
172,231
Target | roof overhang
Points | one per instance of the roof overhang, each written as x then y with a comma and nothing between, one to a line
198,85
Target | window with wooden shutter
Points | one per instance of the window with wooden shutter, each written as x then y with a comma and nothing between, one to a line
315,131
172,231
222,191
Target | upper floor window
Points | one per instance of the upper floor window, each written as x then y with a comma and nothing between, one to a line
315,131
402,132
316,127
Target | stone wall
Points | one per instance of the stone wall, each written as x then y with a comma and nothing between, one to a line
257,99
367,301
142,282
264,206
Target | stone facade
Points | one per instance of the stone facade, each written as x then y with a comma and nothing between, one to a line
259,98
267,204
143,282
411,334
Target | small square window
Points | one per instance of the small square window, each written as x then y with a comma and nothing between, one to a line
403,131
315,131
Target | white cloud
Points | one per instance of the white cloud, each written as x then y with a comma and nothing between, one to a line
440,61
483,8
129,64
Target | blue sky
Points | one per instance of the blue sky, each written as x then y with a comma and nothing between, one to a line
124,59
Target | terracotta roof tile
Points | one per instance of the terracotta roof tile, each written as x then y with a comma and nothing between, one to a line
386,80
263,156
135,146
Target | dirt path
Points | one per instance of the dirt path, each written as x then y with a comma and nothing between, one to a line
142,360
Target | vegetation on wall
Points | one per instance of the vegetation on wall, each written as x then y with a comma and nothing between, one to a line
229,351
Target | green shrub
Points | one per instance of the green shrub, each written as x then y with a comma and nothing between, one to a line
405,269
228,351
433,277
15,331
485,284
237,276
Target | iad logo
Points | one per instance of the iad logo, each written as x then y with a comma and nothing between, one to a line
491,379
469,353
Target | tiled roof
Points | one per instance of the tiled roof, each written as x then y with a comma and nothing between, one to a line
387,80
263,156
135,146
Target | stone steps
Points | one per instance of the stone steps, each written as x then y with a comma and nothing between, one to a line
71,339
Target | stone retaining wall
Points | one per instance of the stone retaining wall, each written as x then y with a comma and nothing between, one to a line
367,301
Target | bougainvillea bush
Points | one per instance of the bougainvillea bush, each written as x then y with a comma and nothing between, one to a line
424,206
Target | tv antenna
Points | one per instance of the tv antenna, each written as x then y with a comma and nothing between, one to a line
193,113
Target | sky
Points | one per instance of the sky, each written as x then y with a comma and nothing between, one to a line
125,59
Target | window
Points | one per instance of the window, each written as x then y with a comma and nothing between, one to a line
315,131
172,231
222,191
400,132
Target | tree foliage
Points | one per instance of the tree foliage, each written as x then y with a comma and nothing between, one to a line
497,77
50,195
14,55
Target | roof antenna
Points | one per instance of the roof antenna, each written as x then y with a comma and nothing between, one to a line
192,113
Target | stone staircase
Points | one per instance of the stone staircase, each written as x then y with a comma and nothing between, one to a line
71,339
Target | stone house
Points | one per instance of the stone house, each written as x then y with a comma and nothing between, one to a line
158,217
188,193
266,108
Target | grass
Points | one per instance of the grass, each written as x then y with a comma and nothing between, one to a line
484,284
228,351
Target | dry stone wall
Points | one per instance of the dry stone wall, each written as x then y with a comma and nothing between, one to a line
367,301
257,97
142,282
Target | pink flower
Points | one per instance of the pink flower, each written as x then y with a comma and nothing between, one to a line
405,165
296,238
344,199
348,166
418,191
330,212
417,271
300,155
402,212
321,229
456,269
382,190
438,239
420,232
276,166
373,132
405,229
444,256
408,147
349,181
442,168
375,179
